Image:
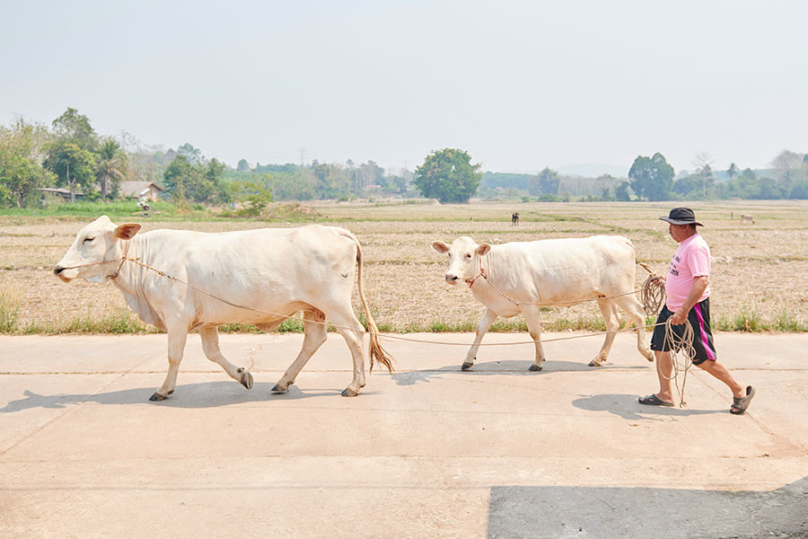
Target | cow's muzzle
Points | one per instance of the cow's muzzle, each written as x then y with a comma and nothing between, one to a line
452,279
59,271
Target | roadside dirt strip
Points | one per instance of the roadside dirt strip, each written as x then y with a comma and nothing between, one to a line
429,451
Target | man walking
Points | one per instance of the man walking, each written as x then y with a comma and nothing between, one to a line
687,286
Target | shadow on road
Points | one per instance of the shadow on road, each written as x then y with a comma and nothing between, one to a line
517,511
201,395
627,407
502,367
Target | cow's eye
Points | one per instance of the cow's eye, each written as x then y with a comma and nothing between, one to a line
468,256
88,239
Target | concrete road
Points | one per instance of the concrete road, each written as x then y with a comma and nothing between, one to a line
427,452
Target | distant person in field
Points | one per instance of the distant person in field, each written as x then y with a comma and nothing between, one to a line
515,218
687,286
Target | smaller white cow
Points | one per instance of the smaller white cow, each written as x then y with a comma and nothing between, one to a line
747,219
521,277
257,277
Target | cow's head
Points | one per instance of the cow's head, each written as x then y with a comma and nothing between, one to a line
462,256
96,253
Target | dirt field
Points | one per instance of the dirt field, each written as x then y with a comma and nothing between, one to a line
760,271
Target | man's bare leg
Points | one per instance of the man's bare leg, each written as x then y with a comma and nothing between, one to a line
664,368
721,373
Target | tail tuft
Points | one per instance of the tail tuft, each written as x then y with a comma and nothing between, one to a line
377,353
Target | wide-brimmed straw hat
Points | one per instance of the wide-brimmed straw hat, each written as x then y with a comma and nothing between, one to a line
681,216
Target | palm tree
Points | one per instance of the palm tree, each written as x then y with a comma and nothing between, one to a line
111,165
732,171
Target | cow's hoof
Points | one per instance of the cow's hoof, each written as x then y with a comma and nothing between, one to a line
277,389
535,368
466,366
348,392
157,397
247,379
595,363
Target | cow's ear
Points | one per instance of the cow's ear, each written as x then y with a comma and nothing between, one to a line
440,247
483,249
126,231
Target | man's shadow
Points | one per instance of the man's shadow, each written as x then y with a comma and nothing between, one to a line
628,407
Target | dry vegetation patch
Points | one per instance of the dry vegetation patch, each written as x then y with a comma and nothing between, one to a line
759,271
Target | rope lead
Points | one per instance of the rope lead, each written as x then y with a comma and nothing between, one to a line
138,262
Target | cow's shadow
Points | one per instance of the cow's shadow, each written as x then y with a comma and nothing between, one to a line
200,395
503,367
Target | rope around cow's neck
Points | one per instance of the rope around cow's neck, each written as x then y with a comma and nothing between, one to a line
123,259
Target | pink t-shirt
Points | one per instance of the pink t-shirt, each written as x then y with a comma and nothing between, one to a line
692,259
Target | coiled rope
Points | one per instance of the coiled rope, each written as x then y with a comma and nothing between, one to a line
681,353
652,293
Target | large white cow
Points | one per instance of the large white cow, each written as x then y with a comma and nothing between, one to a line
274,273
521,277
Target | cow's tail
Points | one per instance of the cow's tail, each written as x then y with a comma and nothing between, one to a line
376,352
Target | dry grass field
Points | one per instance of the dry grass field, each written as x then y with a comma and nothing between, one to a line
760,271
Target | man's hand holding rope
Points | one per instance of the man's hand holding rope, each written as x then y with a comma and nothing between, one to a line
699,286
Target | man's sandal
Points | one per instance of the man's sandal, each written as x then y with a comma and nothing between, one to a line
740,404
653,400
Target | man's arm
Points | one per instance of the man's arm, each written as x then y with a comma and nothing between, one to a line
699,286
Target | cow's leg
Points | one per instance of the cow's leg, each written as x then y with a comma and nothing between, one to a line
609,310
210,345
488,318
634,309
177,335
352,331
314,330
531,313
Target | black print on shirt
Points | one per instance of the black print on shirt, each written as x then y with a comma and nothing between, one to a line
673,270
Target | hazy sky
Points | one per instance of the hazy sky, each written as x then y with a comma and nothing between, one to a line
519,85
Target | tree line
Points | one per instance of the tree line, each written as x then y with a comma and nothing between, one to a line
653,178
71,155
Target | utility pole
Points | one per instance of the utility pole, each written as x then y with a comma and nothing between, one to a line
302,157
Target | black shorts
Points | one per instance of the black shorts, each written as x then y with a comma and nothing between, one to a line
699,318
